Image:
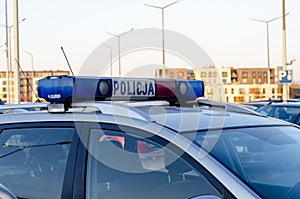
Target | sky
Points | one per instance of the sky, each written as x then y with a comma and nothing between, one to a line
222,28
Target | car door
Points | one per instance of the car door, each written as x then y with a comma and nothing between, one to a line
34,158
116,161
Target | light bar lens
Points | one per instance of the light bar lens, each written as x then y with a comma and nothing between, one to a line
103,88
56,108
61,89
190,89
56,88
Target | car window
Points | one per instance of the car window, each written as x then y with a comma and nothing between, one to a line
265,110
281,113
286,113
33,160
133,167
266,158
293,113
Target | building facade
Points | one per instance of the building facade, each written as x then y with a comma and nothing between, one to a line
295,91
28,85
176,73
241,85
230,84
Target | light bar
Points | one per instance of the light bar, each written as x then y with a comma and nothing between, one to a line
63,89
56,88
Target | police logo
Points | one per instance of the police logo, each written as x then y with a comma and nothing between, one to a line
133,87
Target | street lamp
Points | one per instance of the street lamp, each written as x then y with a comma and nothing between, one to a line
163,31
16,53
8,54
119,45
9,40
110,52
284,86
291,62
268,47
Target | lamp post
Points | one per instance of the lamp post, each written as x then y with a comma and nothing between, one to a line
163,31
7,60
291,62
284,86
119,46
268,48
8,55
9,39
16,54
110,54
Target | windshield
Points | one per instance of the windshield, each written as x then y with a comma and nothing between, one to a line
287,113
265,158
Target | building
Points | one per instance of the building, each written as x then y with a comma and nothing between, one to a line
28,85
230,84
295,91
241,84
214,79
176,73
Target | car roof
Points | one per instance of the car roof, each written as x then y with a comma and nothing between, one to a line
203,119
181,119
294,104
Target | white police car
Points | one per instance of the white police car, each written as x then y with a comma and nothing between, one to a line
152,139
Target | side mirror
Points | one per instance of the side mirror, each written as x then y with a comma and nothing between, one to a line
5,193
205,197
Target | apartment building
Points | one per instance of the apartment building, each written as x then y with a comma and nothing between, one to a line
28,84
215,80
295,91
241,84
176,73
230,84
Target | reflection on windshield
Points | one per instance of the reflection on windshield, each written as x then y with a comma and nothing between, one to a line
266,158
23,147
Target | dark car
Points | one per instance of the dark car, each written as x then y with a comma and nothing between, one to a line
289,112
261,102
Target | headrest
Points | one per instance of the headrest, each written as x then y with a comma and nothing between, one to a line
111,154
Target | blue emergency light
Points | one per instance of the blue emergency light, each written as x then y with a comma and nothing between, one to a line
64,89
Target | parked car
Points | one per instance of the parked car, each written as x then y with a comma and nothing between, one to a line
262,102
289,112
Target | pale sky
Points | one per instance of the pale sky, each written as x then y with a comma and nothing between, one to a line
221,27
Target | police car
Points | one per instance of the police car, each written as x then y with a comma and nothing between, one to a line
144,138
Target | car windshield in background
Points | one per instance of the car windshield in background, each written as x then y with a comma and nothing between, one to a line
251,107
260,103
289,112
265,158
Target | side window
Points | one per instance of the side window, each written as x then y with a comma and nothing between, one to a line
266,110
126,166
33,160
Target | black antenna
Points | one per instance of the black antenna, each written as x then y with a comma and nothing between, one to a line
38,100
67,60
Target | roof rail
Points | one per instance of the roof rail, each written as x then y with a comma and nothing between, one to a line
148,103
114,108
106,107
26,105
226,106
